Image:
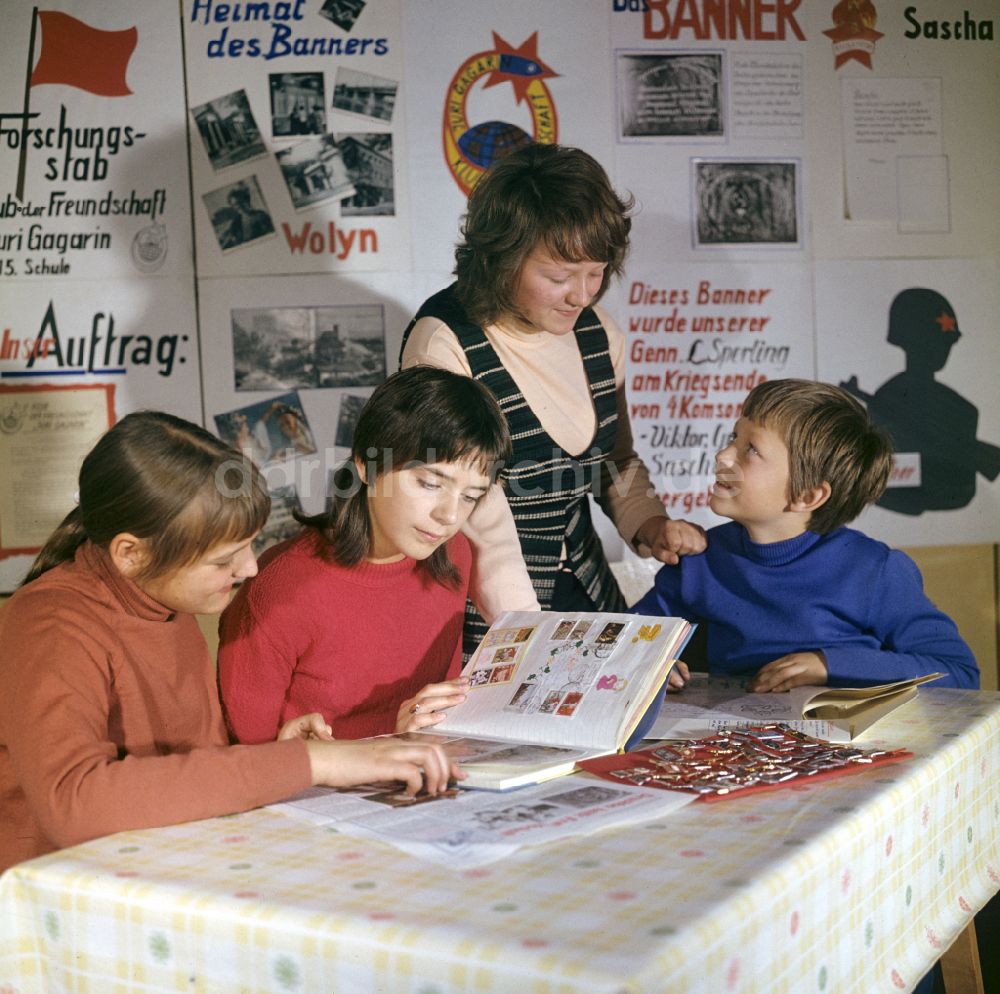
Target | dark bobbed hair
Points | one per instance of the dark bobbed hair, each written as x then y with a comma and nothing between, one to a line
830,437
165,480
417,416
552,196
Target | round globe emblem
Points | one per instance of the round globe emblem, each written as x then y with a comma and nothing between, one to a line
470,149
484,143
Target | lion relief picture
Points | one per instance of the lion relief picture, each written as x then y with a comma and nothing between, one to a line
745,202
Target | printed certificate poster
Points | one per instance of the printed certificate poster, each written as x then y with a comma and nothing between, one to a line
93,178
488,77
698,338
290,361
132,339
916,343
45,431
297,138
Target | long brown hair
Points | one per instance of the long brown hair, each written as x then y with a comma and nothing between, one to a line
420,415
166,480
542,196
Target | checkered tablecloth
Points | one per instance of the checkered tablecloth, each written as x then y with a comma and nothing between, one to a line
853,885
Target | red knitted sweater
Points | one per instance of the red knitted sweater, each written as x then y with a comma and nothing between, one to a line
352,643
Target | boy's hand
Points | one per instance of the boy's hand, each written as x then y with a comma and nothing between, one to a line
679,676
669,538
427,707
794,670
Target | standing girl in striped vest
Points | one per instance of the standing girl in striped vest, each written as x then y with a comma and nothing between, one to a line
543,236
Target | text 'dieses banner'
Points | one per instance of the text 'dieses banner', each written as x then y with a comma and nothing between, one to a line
698,338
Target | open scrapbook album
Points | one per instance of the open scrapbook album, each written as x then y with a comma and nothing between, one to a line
549,688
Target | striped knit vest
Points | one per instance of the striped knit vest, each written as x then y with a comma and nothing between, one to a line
546,486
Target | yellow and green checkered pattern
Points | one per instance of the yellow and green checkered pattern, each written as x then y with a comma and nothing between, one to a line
856,884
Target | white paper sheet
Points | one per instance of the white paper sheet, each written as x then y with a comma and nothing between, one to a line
476,827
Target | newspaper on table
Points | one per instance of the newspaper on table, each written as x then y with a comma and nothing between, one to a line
465,828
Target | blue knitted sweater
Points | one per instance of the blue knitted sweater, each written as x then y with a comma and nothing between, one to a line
844,594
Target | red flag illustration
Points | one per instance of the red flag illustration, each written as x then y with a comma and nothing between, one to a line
75,54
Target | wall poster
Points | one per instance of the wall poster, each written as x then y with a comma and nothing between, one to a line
232,210
97,291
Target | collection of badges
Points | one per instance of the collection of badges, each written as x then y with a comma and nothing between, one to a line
736,761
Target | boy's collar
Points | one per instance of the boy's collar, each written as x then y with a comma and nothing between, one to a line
778,553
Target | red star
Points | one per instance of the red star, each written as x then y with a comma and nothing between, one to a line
946,321
525,60
843,34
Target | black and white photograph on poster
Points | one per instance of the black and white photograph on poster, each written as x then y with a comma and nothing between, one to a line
314,171
740,202
239,213
670,95
228,130
364,93
298,104
281,522
350,345
351,405
343,13
270,431
308,347
368,157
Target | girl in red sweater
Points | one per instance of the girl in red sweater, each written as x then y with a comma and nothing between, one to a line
109,712
360,616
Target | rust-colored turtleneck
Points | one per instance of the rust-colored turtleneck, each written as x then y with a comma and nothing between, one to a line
110,718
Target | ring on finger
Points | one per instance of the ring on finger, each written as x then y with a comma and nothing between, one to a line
414,708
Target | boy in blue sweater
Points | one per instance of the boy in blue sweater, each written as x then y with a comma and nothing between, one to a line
788,594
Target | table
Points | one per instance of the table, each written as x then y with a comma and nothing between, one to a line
853,885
